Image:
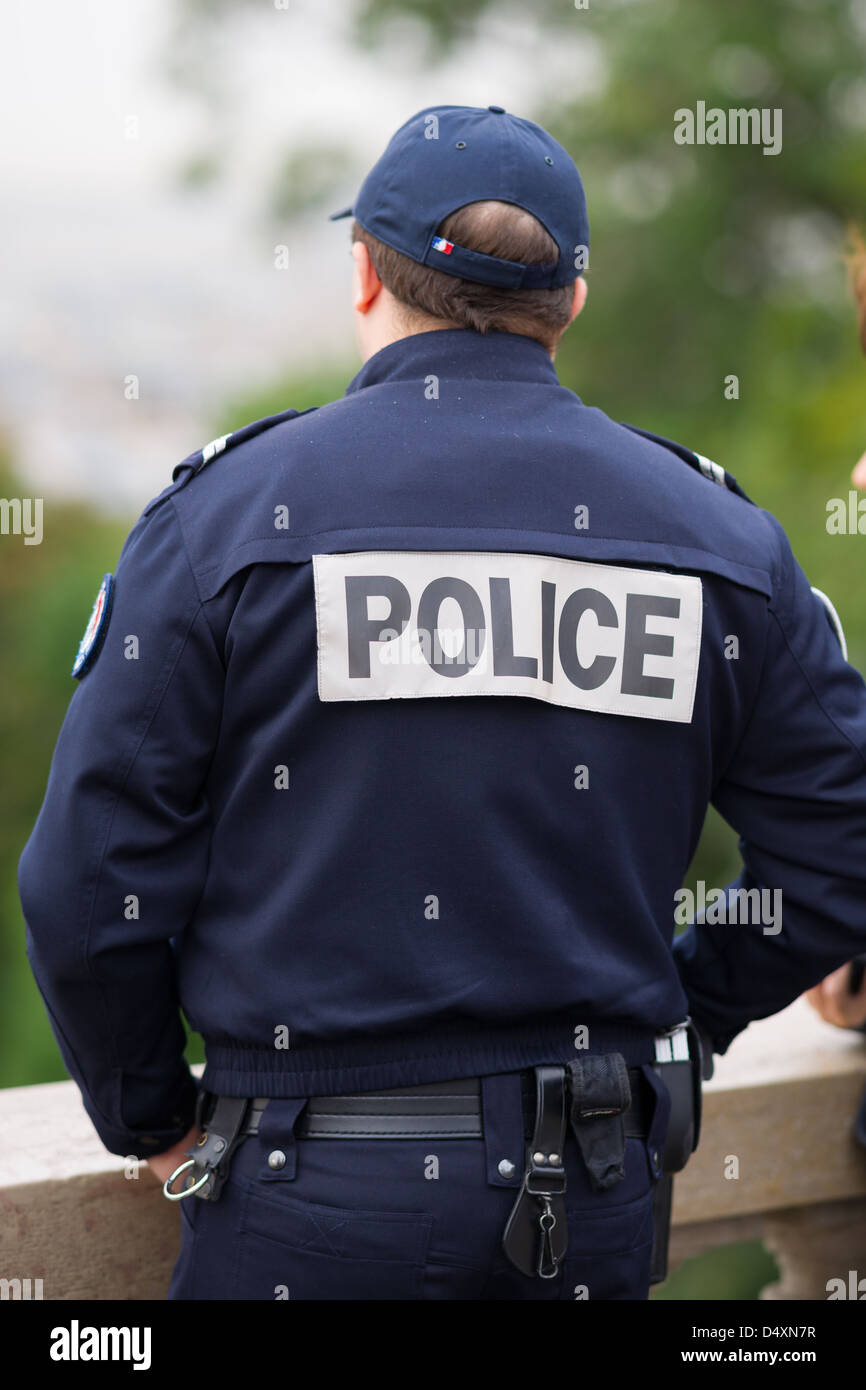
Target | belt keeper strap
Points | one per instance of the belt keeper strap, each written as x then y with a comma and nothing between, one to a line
600,1097
222,1134
536,1236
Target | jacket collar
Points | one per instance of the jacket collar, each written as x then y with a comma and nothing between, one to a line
458,352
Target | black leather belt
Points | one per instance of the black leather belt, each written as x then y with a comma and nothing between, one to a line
441,1109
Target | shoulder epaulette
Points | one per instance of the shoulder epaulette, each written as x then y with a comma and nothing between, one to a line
711,470
195,462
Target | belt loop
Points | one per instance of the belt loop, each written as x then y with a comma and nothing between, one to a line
277,1133
502,1119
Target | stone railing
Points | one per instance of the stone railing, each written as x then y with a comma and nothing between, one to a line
778,1113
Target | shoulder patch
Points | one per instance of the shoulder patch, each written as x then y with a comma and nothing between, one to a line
235,437
711,470
215,447
94,633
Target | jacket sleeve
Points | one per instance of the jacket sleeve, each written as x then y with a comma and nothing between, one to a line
795,791
118,856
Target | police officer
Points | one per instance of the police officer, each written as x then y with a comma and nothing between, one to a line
394,735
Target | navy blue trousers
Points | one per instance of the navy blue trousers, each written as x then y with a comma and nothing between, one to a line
406,1218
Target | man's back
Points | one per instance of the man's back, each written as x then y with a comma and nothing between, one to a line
433,869
452,877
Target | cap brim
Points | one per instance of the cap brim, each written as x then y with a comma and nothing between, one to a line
335,216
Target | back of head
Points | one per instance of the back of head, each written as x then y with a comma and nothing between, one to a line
431,297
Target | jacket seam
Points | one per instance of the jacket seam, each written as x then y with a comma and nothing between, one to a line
194,576
770,613
515,530
752,710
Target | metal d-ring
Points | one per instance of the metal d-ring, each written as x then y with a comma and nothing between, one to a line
187,1191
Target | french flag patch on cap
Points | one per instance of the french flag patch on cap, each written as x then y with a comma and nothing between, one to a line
440,244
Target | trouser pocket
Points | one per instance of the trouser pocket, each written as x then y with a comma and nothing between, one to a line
288,1248
610,1238
609,1254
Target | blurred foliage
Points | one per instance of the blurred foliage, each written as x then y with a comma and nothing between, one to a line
305,178
46,593
731,1272
705,262
199,59
296,392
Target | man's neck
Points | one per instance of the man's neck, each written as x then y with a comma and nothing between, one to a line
394,331
411,329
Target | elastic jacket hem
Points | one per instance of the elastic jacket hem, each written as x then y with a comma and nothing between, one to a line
237,1069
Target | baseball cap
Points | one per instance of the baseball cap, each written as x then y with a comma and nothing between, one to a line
447,156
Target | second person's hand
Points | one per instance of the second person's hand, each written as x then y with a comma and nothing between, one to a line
834,1002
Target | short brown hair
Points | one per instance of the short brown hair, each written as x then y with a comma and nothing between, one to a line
497,229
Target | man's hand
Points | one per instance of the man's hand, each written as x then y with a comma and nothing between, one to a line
835,1004
858,477
164,1164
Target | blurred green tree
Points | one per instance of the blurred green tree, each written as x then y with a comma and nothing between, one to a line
46,592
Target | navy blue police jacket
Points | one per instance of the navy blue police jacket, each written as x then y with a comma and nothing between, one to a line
262,811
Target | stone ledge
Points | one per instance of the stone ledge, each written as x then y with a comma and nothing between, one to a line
782,1103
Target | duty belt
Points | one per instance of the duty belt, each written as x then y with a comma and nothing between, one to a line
604,1101
441,1109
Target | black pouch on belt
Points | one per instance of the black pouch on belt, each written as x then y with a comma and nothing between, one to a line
600,1097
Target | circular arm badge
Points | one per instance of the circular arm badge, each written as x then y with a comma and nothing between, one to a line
94,633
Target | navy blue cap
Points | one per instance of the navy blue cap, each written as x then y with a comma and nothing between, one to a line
447,156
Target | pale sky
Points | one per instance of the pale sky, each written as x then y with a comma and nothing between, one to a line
110,271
